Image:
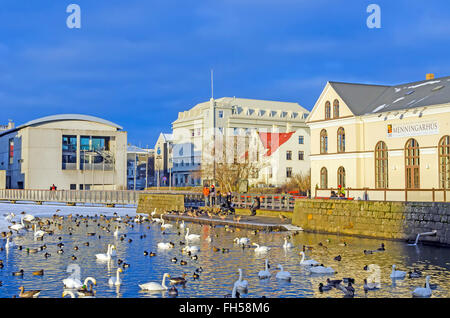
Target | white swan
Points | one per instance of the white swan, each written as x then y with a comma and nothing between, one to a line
72,282
116,232
241,285
423,291
397,274
265,273
18,226
164,246
115,280
9,243
105,257
191,236
38,233
182,224
283,274
153,213
165,226
321,270
286,244
68,293
192,249
113,250
309,262
10,217
242,240
261,249
152,286
28,218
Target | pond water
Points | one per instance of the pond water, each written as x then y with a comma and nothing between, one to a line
220,270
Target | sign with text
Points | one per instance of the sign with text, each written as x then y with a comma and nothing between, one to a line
412,129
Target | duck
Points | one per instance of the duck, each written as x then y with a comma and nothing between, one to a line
261,249
381,248
18,273
38,273
320,269
194,257
283,275
265,273
178,280
192,237
152,286
152,254
370,286
323,288
415,274
83,291
338,258
241,285
195,276
349,290
28,293
286,244
242,240
396,273
333,282
309,262
174,260
423,291
183,262
173,292
115,281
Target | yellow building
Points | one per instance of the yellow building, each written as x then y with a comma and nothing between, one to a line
382,142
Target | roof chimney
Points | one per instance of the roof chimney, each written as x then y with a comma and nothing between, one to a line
429,76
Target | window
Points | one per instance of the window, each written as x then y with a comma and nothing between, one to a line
341,177
92,154
327,110
323,141
73,186
301,155
301,140
288,172
444,162
381,165
11,151
220,113
288,155
412,164
69,152
336,109
324,178
341,140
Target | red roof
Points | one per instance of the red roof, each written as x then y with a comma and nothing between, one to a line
272,141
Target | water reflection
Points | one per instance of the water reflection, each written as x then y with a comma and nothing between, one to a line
220,265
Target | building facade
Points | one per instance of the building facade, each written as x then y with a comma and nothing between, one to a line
382,142
163,160
200,135
140,168
74,152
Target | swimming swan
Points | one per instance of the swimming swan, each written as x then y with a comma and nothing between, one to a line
261,249
423,291
286,244
283,274
265,273
191,236
242,240
115,280
321,270
152,286
241,285
107,256
397,274
309,262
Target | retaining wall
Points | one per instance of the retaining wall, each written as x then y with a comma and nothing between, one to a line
379,219
162,202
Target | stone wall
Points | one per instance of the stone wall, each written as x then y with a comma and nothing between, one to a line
379,219
162,202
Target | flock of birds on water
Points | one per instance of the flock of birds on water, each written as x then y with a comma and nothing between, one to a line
74,287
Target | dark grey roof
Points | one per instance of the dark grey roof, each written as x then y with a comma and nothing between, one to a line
365,99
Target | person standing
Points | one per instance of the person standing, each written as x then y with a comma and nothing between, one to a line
212,191
206,195
255,205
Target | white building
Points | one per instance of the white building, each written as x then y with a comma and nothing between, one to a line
194,139
163,160
71,151
140,167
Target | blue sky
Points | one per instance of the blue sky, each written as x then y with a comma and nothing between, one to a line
139,62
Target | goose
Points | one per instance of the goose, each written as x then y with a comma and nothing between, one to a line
242,240
241,285
28,293
283,274
370,286
164,246
265,273
286,244
309,262
115,280
152,286
397,274
191,236
261,249
38,233
321,270
105,257
423,291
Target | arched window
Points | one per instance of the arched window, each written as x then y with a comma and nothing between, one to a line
412,164
381,165
323,141
323,178
335,108
341,177
341,140
444,162
327,110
